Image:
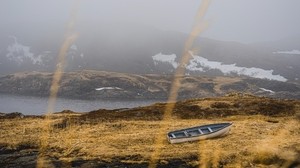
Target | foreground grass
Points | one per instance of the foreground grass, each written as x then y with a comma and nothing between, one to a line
254,141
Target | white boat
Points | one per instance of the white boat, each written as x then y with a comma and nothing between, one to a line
199,132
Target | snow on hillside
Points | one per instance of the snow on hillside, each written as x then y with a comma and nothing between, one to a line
287,52
19,53
198,63
166,59
267,90
108,88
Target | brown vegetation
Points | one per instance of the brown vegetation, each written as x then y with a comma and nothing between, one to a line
82,85
266,133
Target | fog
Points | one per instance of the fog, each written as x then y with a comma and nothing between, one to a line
229,20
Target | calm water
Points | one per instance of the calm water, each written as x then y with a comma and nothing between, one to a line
37,105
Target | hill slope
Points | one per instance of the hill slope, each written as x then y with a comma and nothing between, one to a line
131,50
101,85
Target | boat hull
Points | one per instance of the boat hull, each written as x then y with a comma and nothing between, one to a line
217,133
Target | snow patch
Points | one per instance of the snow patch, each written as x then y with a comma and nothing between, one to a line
287,52
19,53
108,88
267,90
74,47
43,55
165,59
198,63
231,68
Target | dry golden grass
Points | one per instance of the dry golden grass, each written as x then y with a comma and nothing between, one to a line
18,131
252,141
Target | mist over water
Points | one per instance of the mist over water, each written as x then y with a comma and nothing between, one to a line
30,105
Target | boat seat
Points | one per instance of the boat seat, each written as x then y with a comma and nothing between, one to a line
209,129
200,131
186,133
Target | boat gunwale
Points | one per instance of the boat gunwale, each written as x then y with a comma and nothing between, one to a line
186,137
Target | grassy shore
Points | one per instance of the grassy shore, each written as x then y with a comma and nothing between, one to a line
260,137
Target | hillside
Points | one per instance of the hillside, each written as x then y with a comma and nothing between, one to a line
132,50
265,134
89,84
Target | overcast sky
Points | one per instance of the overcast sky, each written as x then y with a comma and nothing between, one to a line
230,20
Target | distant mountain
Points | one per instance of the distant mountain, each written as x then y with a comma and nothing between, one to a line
285,44
112,85
135,49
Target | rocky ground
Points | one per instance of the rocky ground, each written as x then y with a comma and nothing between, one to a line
265,134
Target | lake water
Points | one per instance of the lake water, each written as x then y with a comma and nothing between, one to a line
38,105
